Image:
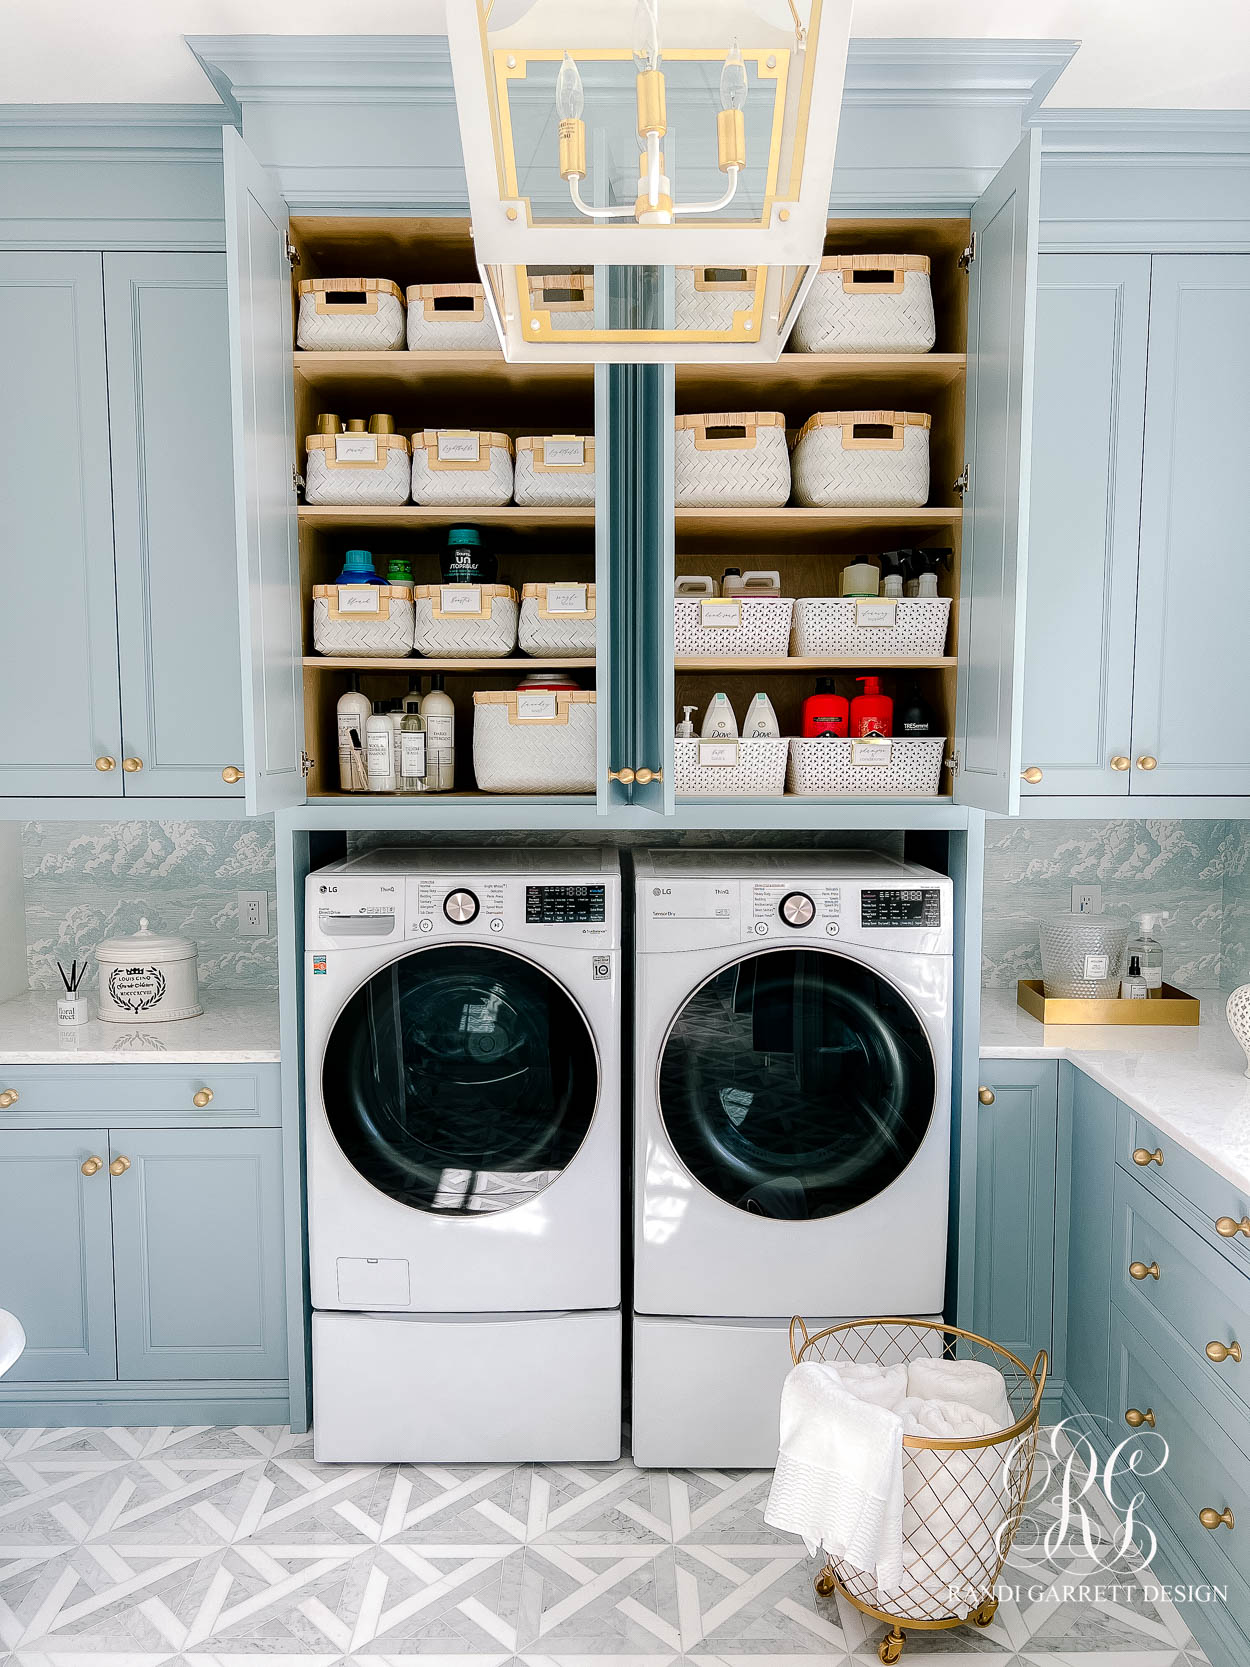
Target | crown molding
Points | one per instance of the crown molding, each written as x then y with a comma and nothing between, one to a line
1143,135
102,132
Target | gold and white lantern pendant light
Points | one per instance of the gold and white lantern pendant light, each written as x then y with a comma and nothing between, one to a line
743,94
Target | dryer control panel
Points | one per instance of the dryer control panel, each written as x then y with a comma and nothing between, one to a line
681,914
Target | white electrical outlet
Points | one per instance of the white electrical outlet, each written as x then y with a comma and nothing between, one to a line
253,914
1086,900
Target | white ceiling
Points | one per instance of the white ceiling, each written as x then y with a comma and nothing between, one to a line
1136,53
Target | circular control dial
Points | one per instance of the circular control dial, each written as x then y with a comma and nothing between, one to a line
797,909
461,907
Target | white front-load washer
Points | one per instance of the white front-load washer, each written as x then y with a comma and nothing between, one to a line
792,1127
463,1155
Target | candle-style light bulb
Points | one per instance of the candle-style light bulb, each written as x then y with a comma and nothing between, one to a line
570,98
733,80
646,36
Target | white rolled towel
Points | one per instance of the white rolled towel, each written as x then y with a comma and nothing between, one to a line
972,1383
954,1501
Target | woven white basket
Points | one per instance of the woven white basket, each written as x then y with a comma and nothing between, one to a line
357,469
449,317
465,622
731,460
553,624
856,769
555,469
461,466
867,304
363,620
342,314
909,625
562,300
534,742
747,769
862,459
711,297
705,625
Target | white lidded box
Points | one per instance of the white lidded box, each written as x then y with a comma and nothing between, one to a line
555,469
710,625
147,978
886,627
465,622
834,765
867,304
863,459
557,620
729,769
561,301
356,468
345,314
714,298
371,621
534,740
731,460
450,317
461,466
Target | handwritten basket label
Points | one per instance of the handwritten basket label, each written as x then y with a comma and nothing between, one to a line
461,599
458,448
718,755
564,454
355,448
359,599
566,599
536,708
136,989
876,615
871,750
720,615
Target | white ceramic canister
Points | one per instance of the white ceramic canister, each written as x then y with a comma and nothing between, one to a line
147,978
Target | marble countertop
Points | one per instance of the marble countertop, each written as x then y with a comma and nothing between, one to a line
1188,1080
236,1027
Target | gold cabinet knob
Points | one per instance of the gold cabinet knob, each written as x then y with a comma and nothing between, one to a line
1032,775
1145,762
231,774
1213,1519
625,776
642,777
8,1098
1227,1228
986,1096
1119,762
1141,1157
202,1098
1139,1270
1135,1419
106,763
93,1165
131,765
119,1166
1217,1353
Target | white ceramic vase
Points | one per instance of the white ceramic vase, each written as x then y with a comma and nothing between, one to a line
1238,1011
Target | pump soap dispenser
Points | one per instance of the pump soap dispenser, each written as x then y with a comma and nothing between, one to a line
1145,949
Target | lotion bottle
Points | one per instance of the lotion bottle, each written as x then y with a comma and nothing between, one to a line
760,723
719,722
439,713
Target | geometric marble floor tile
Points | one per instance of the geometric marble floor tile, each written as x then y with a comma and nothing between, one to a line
207,1547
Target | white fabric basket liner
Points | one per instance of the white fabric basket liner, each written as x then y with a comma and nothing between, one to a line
556,756
847,310
825,767
386,633
559,635
440,321
539,482
731,472
759,770
331,319
490,633
441,481
385,482
764,626
827,625
837,467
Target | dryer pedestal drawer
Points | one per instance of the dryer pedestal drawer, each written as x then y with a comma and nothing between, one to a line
467,1389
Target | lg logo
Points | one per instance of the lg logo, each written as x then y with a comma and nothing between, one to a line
661,891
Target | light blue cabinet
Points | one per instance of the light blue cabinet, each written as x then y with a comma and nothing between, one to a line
1088,1272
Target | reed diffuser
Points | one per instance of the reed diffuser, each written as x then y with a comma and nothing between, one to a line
72,1008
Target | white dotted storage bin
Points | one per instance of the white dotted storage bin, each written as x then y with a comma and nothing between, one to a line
885,627
465,622
534,741
863,459
345,314
561,301
867,304
555,469
729,769
724,625
731,460
363,620
461,466
449,317
356,469
833,766
713,298
557,620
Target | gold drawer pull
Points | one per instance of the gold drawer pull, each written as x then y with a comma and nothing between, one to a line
1119,762
231,774
1135,1419
1139,1270
202,1098
9,1098
1032,775
1227,1228
1145,762
93,1166
1211,1518
131,765
643,776
1218,1354
1141,1157
986,1096
105,764
119,1166
625,776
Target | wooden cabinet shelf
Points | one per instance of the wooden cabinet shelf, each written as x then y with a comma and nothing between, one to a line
788,523
430,370
812,663
319,516
419,664
810,375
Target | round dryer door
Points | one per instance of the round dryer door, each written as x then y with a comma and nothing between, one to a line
460,1080
796,1084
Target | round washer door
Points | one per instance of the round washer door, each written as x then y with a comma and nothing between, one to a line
796,1084
460,1080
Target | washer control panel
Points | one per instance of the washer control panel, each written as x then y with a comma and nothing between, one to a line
461,907
901,906
564,905
681,914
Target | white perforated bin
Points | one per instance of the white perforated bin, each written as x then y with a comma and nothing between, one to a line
713,298
465,622
885,627
555,469
862,459
859,769
461,466
867,304
372,621
557,620
450,317
534,741
356,469
345,314
723,625
729,769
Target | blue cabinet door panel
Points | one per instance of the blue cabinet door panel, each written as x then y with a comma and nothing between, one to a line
56,1262
1090,1244
173,514
58,628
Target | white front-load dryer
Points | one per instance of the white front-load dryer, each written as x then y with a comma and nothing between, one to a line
792,1127
463,1155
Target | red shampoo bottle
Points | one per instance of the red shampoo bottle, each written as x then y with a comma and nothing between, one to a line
825,713
872,713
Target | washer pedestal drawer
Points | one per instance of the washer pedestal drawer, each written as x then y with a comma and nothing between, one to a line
461,1389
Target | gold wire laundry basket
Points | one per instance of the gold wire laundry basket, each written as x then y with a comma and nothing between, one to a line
963,1499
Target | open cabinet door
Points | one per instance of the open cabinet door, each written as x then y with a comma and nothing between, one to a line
1002,288
258,277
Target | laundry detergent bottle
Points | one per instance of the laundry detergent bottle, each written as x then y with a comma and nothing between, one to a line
825,713
872,713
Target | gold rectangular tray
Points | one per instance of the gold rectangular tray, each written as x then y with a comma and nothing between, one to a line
1173,1008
